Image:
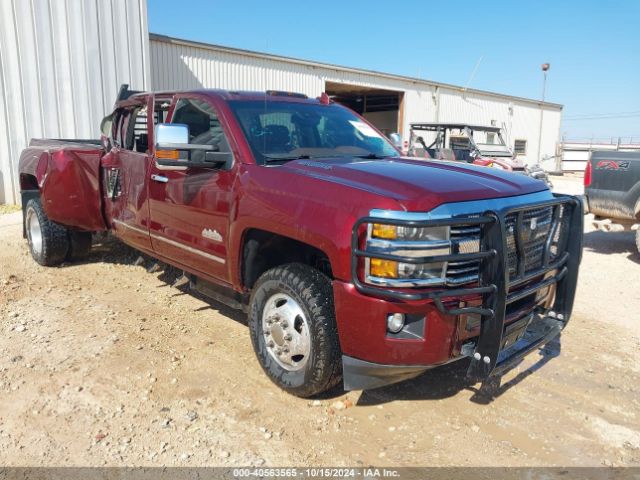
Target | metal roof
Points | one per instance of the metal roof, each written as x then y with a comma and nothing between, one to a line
391,76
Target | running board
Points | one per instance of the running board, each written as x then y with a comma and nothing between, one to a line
221,294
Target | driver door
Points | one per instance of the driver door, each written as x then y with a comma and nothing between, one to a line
190,205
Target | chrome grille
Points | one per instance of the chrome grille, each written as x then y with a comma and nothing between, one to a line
535,228
533,232
560,234
464,239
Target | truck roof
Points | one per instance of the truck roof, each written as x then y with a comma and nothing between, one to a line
128,97
452,125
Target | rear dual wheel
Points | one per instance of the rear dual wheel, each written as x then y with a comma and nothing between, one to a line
51,243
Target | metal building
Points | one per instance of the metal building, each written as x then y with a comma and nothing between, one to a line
61,64
389,101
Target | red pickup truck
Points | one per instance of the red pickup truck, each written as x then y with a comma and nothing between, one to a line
352,262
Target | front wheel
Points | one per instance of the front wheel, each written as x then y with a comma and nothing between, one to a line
48,241
293,329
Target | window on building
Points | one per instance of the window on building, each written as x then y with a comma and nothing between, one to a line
491,138
520,147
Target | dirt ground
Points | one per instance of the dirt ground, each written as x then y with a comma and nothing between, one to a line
103,363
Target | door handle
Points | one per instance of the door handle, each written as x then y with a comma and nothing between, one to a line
159,178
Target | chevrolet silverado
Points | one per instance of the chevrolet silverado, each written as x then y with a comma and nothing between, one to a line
353,263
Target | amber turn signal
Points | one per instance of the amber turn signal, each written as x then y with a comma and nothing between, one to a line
388,232
383,268
168,154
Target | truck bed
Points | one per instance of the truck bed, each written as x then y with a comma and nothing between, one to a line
614,191
67,173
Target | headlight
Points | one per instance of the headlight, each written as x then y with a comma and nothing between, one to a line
390,269
393,232
411,242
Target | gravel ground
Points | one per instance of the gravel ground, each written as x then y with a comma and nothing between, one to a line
103,363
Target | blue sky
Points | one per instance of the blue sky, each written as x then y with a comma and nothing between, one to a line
593,46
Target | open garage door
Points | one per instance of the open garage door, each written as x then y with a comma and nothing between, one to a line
383,108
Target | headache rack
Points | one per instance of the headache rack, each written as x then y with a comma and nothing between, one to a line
522,250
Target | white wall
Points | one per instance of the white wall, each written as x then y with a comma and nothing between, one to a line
178,64
61,64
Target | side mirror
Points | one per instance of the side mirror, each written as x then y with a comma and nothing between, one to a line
174,150
171,133
396,140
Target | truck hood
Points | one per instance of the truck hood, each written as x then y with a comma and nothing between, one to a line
418,184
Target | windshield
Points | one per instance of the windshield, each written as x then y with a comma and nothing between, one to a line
278,131
491,143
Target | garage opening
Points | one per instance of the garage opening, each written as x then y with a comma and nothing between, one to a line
383,108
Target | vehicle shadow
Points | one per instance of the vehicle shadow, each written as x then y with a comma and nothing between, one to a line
108,249
435,384
448,380
171,275
612,242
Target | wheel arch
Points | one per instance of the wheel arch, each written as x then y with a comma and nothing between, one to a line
261,250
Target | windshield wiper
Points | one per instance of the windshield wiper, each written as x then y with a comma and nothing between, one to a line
274,158
372,156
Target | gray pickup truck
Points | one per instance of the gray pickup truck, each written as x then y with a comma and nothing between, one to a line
612,191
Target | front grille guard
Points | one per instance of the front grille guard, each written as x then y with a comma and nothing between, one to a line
494,283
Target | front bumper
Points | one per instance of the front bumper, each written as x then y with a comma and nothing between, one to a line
372,358
362,375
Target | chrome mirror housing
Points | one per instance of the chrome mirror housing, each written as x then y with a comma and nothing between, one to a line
171,133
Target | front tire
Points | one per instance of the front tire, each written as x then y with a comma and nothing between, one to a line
293,329
48,241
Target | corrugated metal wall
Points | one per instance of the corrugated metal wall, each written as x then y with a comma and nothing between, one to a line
177,64
61,64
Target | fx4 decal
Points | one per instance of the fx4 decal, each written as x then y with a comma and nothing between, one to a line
612,165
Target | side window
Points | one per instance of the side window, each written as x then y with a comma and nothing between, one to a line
139,140
204,125
130,129
161,111
120,127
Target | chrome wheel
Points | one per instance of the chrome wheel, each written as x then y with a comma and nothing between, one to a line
286,332
35,232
